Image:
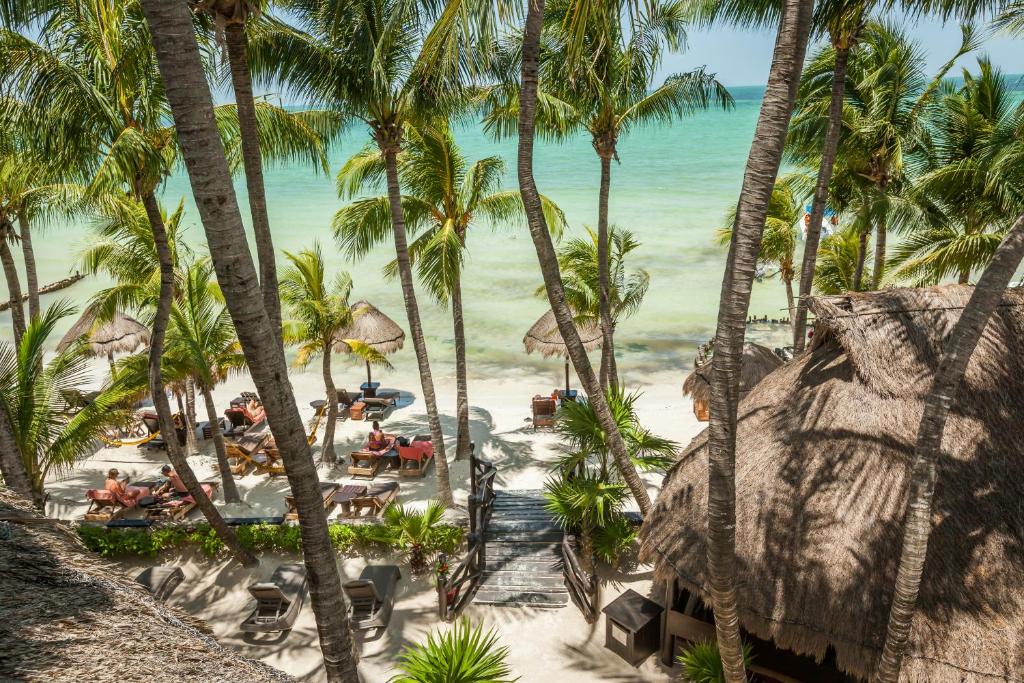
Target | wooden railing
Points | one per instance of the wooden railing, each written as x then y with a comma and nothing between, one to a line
583,587
455,587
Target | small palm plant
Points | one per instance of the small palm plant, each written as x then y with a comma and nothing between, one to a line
702,663
463,654
417,533
585,503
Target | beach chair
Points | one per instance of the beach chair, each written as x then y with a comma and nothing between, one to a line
416,457
377,408
242,454
365,464
278,600
104,505
544,408
372,597
376,500
237,419
177,509
271,464
160,581
327,490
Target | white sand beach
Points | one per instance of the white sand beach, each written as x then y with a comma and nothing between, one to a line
544,644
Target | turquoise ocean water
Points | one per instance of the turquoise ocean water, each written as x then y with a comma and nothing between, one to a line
672,189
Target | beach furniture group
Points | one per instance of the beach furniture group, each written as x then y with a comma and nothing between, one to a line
106,506
355,500
414,457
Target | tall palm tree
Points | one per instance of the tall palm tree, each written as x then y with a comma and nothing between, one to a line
778,242
837,260
319,310
546,255
445,196
202,339
917,525
580,263
48,439
585,502
192,106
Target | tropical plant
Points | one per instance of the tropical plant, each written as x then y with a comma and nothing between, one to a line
49,439
580,264
702,662
445,197
778,241
584,502
462,654
415,532
320,310
836,262
188,92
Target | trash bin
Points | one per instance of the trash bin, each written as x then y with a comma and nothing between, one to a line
633,627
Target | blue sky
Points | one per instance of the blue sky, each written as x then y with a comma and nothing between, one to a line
741,57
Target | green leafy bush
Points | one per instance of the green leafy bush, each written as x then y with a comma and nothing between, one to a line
702,662
463,654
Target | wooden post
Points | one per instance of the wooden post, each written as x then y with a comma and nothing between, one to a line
442,589
369,376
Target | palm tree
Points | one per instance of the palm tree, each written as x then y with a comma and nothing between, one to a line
320,310
956,354
415,532
584,502
778,241
48,439
837,260
546,255
580,264
202,339
445,196
463,653
192,106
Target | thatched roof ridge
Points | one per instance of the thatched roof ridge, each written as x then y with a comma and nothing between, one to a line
823,451
120,334
545,338
66,615
758,362
372,327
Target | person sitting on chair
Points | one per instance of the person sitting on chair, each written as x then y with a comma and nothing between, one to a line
126,495
383,445
254,412
173,486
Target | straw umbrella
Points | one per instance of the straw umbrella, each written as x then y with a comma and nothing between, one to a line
120,334
373,328
758,361
545,338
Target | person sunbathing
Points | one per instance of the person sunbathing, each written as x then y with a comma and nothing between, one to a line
254,412
383,445
126,495
173,485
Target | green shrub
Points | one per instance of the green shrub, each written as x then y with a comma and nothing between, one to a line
464,654
702,662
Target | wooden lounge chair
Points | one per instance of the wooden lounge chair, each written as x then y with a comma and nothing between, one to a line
372,596
327,490
271,464
242,453
365,464
376,500
278,600
104,505
377,408
160,581
416,457
544,408
177,509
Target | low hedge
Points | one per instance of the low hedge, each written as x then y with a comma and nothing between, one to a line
256,538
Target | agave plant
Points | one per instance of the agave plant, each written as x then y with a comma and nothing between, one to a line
463,654
702,663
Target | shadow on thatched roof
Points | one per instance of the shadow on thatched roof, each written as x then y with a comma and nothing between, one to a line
758,361
66,615
823,451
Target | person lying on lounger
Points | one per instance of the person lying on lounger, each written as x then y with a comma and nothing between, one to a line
254,412
383,445
173,486
127,495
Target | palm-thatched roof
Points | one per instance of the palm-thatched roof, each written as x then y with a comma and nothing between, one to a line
758,361
373,328
120,334
545,338
822,464
66,615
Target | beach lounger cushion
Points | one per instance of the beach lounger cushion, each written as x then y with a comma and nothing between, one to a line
278,600
372,596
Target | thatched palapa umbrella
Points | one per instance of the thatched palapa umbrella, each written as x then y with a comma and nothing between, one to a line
373,328
545,338
823,466
120,334
758,361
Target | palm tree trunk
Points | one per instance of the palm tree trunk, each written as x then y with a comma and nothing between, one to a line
29,254
191,445
828,161
156,388
13,283
327,453
11,465
462,440
858,269
549,260
587,549
758,180
790,304
389,147
604,274
965,276
241,81
192,107
879,270
228,481
918,521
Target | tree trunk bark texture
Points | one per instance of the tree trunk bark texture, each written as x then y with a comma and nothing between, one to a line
917,524
858,269
879,269
758,180
327,453
12,467
192,107
191,443
828,161
29,254
13,283
549,260
462,440
604,272
227,479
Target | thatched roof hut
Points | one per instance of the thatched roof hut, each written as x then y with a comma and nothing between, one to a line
373,328
823,451
758,361
545,338
120,334
66,615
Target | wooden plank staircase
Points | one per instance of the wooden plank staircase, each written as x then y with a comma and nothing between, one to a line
523,554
